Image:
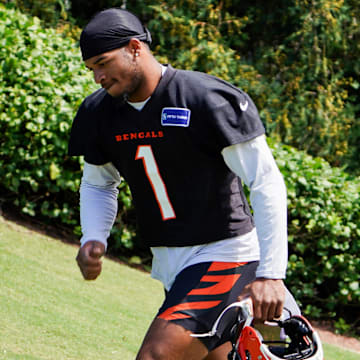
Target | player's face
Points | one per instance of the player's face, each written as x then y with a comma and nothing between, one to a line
116,71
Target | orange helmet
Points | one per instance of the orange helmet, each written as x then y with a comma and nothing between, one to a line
301,342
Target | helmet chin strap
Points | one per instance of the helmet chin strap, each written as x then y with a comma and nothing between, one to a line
246,309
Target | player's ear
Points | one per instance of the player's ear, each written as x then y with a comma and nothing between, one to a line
134,47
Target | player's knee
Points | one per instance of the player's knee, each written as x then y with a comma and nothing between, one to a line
154,351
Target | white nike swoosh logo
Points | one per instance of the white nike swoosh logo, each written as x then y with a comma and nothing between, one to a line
244,106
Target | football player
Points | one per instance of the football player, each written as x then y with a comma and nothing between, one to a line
185,142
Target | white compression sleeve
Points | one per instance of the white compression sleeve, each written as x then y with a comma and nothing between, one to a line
98,201
253,162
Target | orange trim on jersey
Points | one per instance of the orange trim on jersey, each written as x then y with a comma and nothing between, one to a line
224,283
218,265
170,313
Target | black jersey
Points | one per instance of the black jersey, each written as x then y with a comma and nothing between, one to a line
170,155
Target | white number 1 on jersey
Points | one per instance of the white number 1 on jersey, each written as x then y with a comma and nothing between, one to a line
145,153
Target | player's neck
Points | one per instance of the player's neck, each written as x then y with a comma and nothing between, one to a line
152,75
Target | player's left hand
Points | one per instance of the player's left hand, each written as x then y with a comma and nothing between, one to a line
268,296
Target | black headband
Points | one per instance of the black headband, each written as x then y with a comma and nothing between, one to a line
111,29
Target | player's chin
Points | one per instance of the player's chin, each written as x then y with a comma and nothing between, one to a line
115,92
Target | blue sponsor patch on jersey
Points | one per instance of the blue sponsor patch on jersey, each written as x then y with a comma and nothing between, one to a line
172,116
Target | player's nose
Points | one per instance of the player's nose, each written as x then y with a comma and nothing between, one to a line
99,76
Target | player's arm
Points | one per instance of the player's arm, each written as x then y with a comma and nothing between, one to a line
98,208
253,162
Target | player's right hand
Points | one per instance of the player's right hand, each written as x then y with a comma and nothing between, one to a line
89,259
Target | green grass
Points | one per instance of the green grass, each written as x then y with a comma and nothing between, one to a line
48,312
332,352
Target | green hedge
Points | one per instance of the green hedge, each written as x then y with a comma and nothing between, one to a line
324,234
42,82
298,59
